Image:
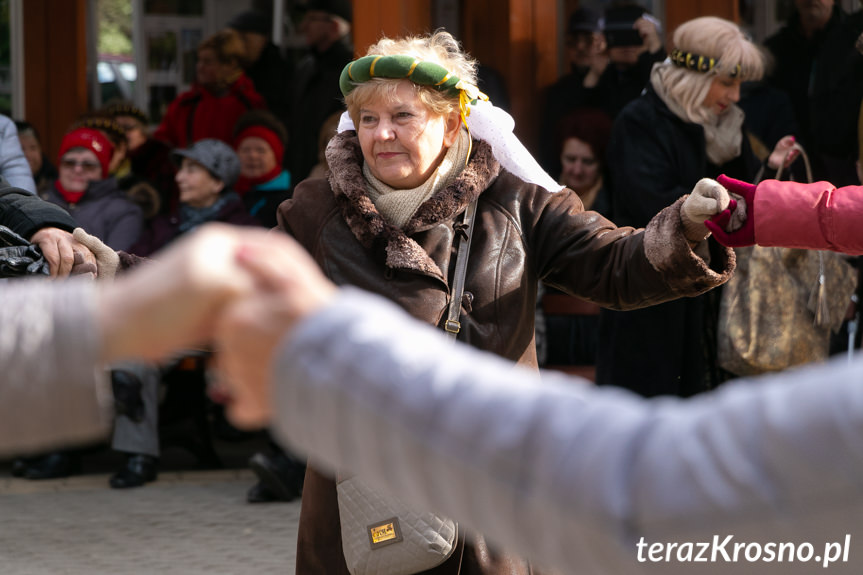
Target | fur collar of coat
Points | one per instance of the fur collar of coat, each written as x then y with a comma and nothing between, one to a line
345,160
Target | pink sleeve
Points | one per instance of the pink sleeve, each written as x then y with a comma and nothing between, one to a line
812,216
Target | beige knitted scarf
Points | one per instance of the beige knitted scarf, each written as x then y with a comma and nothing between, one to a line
398,206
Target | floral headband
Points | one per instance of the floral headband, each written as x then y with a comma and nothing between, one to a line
488,122
697,62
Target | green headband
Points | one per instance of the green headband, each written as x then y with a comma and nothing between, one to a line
398,67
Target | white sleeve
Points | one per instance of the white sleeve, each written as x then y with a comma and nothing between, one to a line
563,472
52,392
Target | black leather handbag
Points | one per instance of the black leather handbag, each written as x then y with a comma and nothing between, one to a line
18,257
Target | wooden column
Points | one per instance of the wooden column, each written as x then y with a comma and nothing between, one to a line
55,74
519,39
376,18
679,11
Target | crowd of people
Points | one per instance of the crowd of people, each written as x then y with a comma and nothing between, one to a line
397,175
220,153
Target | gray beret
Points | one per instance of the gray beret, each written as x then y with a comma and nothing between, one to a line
215,155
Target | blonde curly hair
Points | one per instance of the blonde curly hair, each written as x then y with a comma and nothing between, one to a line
439,47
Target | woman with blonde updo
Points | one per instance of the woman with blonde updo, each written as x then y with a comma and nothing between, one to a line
686,126
419,154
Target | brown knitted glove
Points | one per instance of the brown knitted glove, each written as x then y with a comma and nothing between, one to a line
107,259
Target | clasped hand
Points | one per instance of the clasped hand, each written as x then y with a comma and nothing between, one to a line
240,290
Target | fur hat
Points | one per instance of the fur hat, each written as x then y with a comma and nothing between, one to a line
215,155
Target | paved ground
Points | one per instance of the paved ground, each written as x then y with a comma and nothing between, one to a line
189,522
186,523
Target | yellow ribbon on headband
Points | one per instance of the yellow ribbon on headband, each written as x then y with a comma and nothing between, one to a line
467,95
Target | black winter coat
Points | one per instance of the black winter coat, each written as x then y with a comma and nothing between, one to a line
823,75
316,96
655,158
25,214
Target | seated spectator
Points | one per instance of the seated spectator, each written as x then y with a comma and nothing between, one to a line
44,172
149,160
118,165
85,189
207,172
220,95
264,183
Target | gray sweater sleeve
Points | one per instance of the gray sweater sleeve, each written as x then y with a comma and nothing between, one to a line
13,163
579,478
52,392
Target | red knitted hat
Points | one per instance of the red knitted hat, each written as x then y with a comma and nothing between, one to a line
266,134
93,140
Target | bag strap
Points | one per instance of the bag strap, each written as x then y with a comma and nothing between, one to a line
806,163
465,232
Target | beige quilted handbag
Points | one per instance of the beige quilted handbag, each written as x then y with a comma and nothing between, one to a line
381,536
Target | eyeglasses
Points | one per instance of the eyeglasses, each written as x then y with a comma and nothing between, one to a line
83,164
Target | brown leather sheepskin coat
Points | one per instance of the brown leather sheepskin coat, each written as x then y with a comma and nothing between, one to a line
523,234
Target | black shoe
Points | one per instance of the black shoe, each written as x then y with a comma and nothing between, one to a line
19,466
258,493
53,466
139,469
281,475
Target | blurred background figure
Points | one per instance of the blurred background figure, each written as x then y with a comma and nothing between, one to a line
818,66
583,40
583,138
44,172
207,171
149,161
87,191
220,95
568,327
14,165
264,64
618,64
264,183
326,27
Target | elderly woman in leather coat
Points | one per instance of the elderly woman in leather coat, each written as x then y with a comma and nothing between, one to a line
418,148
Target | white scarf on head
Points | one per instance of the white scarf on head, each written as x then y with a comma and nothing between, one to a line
723,134
398,206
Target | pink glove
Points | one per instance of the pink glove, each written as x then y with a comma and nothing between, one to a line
745,236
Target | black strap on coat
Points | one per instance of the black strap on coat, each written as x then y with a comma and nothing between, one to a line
465,233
